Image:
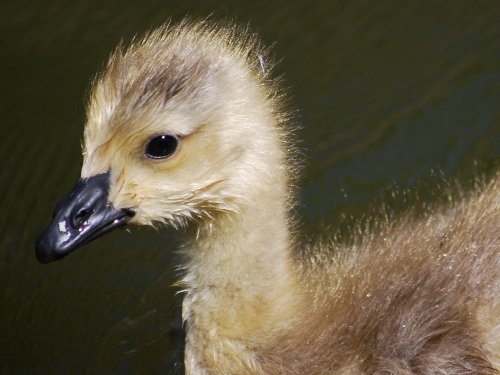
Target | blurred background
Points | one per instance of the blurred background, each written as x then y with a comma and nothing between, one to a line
390,95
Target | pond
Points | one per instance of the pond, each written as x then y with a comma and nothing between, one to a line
401,95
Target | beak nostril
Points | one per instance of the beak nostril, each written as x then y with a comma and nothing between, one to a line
81,217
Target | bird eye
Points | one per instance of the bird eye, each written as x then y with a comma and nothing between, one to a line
162,146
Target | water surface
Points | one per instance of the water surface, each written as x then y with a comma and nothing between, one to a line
388,93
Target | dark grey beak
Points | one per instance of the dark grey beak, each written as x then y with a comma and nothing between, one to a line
80,218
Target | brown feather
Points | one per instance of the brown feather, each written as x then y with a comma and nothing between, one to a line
417,296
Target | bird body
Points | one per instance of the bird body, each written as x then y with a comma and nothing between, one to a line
190,131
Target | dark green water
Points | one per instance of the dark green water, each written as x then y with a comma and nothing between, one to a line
389,93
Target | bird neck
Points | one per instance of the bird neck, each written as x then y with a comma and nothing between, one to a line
240,286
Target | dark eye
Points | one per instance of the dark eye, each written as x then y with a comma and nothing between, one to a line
162,146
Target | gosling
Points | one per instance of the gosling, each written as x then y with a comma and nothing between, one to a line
185,128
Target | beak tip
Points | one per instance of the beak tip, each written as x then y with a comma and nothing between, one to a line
44,251
43,258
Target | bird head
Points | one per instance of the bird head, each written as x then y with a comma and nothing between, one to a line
180,128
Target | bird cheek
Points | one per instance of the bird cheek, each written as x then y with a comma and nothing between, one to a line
122,197
125,191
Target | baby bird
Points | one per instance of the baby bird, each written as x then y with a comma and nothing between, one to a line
185,128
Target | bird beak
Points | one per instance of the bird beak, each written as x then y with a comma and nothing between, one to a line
80,218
